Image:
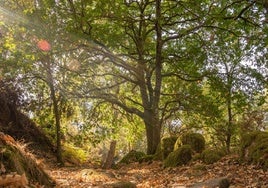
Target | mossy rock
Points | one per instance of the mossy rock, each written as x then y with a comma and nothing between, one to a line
195,140
132,156
210,156
250,138
179,157
74,154
167,145
254,148
146,158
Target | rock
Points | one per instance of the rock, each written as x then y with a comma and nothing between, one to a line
195,140
254,148
132,156
181,156
123,184
210,155
221,182
167,145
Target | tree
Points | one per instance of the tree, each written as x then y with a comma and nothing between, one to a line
155,44
147,78
30,65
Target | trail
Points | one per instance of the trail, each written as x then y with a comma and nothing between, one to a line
154,175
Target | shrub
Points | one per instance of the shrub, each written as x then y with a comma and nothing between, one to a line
167,145
133,156
254,148
179,157
195,140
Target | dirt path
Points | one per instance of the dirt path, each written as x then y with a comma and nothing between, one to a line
153,175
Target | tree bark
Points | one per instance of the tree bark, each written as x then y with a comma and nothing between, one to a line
153,138
153,131
110,157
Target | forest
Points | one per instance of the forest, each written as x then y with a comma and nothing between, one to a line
134,93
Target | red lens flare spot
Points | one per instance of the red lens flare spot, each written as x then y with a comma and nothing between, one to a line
43,45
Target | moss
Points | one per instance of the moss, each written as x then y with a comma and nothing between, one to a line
167,145
210,156
254,148
195,140
248,138
74,155
158,153
179,157
132,156
197,157
146,158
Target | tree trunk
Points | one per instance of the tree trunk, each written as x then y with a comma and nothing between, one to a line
151,119
110,157
57,122
229,126
50,82
153,131
153,138
229,111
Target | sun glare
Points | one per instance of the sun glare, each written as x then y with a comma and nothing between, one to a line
8,16
44,45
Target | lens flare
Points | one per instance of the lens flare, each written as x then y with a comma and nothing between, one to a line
43,45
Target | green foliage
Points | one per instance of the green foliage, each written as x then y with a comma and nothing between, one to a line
195,140
254,148
181,156
74,154
167,145
132,156
210,156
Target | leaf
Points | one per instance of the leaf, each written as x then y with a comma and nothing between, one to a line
2,169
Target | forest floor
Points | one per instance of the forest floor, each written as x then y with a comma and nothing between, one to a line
147,175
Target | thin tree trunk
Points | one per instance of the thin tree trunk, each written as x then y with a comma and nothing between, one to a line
229,111
50,82
58,127
110,157
229,126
